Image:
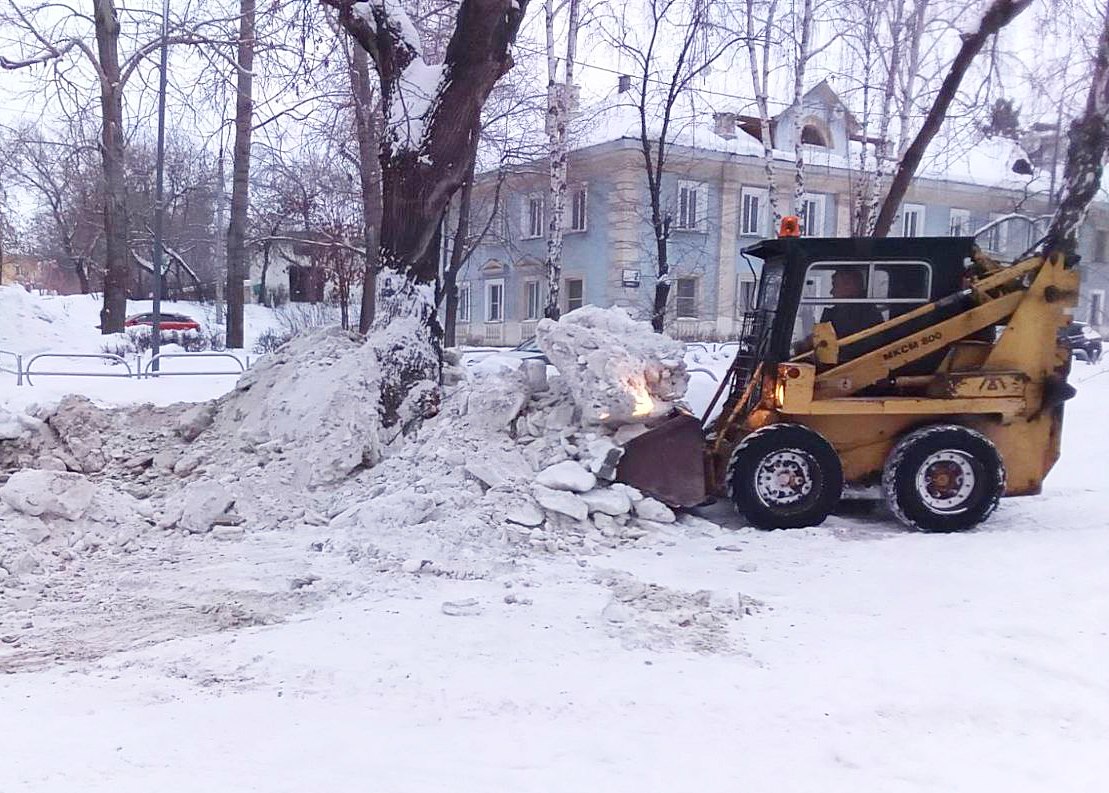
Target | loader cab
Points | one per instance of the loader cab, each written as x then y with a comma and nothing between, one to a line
852,282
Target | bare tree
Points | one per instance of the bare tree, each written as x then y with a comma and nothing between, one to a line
367,119
675,44
237,266
431,113
997,15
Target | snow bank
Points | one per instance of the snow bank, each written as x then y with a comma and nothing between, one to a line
618,370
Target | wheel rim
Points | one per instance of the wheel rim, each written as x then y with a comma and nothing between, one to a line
785,477
945,480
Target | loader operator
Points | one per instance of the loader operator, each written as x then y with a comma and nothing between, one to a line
850,318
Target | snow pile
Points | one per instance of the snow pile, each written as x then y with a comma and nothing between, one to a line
48,518
618,370
317,394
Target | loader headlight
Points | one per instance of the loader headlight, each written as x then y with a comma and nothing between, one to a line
780,393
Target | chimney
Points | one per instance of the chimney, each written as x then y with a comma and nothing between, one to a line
625,83
724,125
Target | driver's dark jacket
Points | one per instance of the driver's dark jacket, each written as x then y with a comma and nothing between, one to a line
850,318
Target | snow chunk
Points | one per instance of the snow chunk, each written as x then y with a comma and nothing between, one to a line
652,509
619,371
607,501
567,475
48,493
561,502
197,507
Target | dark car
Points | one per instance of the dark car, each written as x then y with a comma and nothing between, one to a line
1084,341
167,322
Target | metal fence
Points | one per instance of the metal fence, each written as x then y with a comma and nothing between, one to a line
13,363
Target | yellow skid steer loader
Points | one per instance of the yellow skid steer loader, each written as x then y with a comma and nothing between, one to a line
920,366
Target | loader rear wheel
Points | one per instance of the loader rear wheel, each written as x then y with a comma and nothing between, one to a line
943,478
785,476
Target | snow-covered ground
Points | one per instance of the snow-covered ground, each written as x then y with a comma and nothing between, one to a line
31,324
704,656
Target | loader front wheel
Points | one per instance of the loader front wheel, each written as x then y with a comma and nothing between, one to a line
785,476
943,478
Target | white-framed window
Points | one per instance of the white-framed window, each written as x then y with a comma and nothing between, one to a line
578,200
745,295
464,302
691,205
533,295
912,220
812,215
1101,245
575,293
753,206
1097,307
685,297
494,300
533,217
959,225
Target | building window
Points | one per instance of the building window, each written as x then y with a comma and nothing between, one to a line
533,217
577,210
494,300
533,294
691,205
686,297
752,216
1097,307
960,223
745,296
912,220
464,303
1101,245
812,136
812,215
575,293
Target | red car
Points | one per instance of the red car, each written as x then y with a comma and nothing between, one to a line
167,322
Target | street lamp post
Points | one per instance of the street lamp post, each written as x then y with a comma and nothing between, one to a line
159,193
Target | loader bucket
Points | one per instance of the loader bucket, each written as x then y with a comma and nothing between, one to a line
667,462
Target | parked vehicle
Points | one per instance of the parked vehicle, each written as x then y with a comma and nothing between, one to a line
167,322
1084,341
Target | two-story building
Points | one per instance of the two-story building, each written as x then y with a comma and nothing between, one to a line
715,194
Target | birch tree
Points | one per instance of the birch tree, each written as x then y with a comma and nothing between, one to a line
759,43
431,111
559,97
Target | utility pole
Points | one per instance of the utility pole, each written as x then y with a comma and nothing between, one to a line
159,193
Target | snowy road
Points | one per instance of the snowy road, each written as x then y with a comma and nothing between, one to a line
880,660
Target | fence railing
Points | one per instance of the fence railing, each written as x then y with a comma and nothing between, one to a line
163,355
13,363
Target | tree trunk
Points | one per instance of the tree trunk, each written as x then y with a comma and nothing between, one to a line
369,173
117,267
558,114
760,78
458,254
425,156
237,268
798,116
999,14
1086,150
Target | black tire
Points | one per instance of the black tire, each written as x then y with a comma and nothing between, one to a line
816,477
943,478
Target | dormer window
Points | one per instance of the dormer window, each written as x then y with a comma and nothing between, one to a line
812,136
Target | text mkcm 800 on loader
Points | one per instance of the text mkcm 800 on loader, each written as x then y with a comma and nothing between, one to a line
917,365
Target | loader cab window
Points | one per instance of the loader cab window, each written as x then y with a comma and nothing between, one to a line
770,286
854,296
